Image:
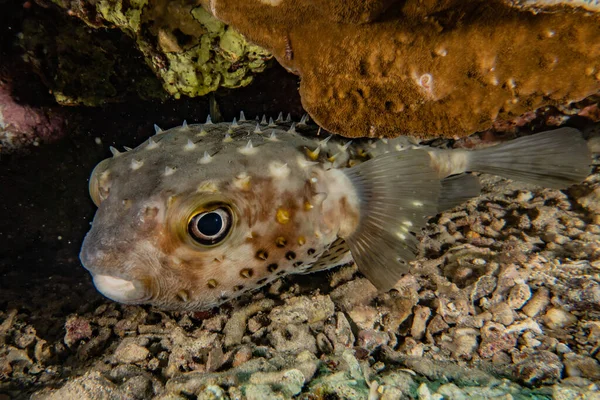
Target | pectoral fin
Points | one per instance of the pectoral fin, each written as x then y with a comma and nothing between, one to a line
397,192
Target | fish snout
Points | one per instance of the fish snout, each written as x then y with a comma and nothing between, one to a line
95,257
115,286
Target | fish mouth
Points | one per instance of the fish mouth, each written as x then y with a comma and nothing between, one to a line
120,290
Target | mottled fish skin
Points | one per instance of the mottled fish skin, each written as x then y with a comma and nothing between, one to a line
286,211
296,205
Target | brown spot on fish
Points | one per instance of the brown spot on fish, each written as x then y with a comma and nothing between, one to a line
261,281
297,264
212,283
280,241
301,240
310,252
308,206
237,288
247,273
183,296
272,267
283,216
262,254
350,215
290,255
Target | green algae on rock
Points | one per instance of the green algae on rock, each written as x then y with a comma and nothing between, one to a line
190,51
203,67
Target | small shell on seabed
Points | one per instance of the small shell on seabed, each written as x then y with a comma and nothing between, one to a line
558,318
537,303
519,295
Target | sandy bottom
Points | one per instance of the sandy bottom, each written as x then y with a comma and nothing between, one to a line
505,303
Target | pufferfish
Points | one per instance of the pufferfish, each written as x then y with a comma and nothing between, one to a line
200,214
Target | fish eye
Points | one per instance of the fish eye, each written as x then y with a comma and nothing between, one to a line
210,227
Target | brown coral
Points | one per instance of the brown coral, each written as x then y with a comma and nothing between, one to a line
384,67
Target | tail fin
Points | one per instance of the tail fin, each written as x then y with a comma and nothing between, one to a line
555,159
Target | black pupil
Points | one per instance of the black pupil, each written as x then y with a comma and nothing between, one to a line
210,224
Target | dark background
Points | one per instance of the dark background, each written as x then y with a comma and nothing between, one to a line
45,209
